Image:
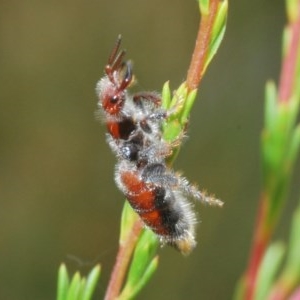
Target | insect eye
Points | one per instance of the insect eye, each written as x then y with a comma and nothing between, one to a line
114,99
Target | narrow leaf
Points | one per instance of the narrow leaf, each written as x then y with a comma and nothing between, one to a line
166,95
204,6
141,262
218,32
74,287
144,252
270,105
143,280
81,288
268,269
294,145
63,283
290,276
127,220
292,269
188,106
292,9
179,96
91,283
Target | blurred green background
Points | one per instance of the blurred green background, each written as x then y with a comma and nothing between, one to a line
58,200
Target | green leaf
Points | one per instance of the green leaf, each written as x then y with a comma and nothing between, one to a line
172,130
292,113
295,145
191,97
218,32
91,283
204,6
179,96
142,266
286,37
149,271
290,276
277,136
280,146
270,105
268,269
63,283
130,292
144,252
128,218
173,126
292,9
74,288
81,288
292,269
166,95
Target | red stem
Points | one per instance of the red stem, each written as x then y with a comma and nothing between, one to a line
289,64
122,261
263,229
260,241
196,68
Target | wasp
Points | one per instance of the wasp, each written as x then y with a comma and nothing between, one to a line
159,195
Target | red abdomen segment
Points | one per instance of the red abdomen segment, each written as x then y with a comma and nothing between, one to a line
165,211
147,200
121,129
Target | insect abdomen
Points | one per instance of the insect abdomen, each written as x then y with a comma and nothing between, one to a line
167,215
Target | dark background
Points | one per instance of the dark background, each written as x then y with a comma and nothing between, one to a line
58,200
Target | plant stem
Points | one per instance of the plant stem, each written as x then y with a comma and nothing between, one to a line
122,260
196,68
260,241
264,228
